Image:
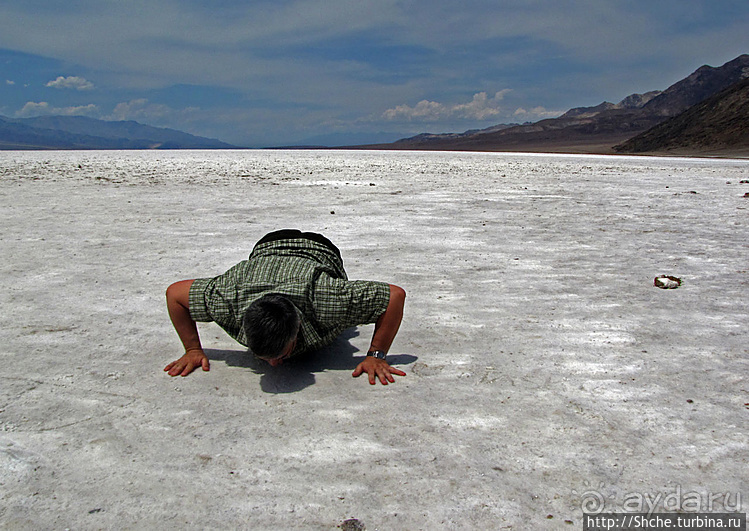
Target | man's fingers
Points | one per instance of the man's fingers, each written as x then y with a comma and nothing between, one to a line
386,374
378,372
181,368
188,369
187,364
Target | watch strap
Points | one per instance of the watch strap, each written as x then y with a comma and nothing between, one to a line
380,355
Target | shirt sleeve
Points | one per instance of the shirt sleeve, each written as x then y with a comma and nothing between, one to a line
197,300
348,303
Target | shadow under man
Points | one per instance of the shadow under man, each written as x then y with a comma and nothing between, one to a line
298,373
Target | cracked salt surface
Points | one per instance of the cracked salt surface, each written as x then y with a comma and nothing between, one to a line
541,359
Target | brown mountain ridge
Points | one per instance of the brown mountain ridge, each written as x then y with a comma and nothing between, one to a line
715,126
598,129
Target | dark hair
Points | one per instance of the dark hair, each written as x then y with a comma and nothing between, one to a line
270,323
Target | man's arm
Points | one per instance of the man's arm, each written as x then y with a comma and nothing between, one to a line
385,330
178,303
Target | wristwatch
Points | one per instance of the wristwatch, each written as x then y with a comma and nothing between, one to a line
380,355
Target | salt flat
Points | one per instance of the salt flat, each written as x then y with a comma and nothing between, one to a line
546,373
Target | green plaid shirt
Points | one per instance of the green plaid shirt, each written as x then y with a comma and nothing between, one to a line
309,274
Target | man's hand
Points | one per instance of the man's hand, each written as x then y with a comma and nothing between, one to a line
377,368
189,362
178,303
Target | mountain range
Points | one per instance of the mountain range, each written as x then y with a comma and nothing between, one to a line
607,127
719,123
705,113
80,132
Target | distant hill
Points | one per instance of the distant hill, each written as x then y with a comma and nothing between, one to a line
591,129
633,101
450,137
80,132
715,125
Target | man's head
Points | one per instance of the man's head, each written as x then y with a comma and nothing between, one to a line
271,325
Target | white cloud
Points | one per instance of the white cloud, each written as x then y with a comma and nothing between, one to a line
188,119
536,113
141,109
425,110
34,109
481,107
43,108
71,82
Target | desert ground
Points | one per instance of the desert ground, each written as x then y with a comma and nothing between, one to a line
546,375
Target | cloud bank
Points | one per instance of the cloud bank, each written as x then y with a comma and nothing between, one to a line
481,107
43,108
143,110
536,113
291,68
71,82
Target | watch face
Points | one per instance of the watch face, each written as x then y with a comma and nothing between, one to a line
380,355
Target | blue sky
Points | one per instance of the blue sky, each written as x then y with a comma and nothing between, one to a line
266,73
